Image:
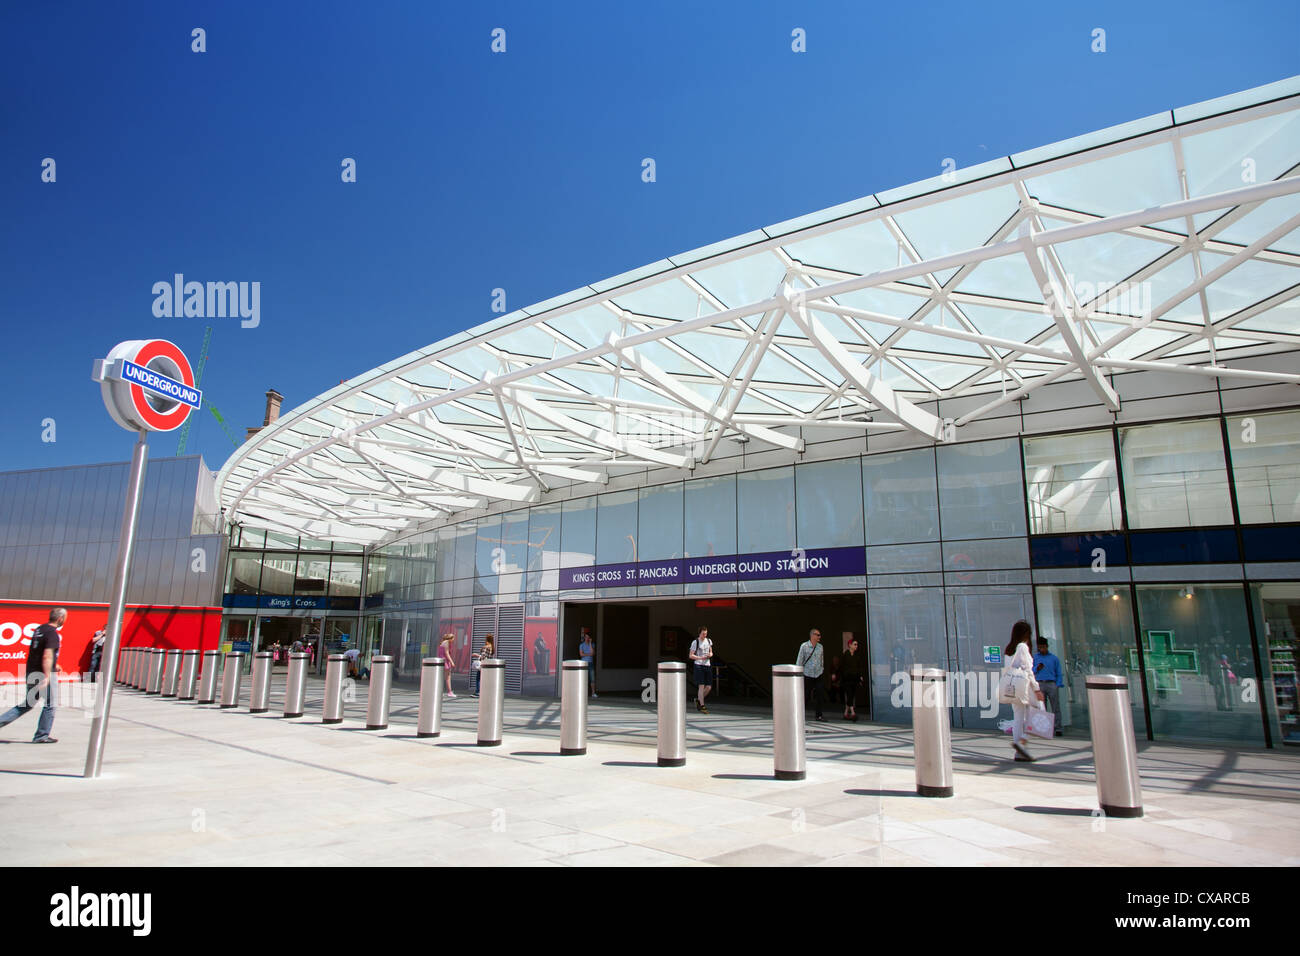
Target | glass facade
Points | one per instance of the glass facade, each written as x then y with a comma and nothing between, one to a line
1175,475
59,534
1266,466
1118,558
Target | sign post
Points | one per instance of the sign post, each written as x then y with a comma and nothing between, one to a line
147,385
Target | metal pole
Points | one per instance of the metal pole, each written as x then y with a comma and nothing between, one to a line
573,708
153,683
491,702
208,682
931,734
672,714
333,709
789,746
432,671
171,672
260,697
189,671
381,686
117,606
1114,750
295,685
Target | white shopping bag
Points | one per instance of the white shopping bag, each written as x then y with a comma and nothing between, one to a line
1040,722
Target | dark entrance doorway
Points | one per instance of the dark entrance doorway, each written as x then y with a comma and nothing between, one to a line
750,634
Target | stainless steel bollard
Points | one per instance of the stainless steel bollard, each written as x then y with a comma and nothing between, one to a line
931,732
672,714
381,691
492,702
232,679
433,671
1114,748
133,679
295,687
189,671
138,669
334,668
259,696
789,745
142,672
208,682
171,672
128,660
128,678
573,708
154,682
119,676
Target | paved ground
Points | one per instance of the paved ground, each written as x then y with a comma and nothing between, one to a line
195,785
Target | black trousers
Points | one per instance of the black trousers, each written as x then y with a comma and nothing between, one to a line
815,687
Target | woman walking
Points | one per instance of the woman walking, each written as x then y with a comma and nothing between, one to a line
851,679
1018,684
449,662
489,651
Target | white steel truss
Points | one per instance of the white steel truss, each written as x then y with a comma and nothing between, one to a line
1173,247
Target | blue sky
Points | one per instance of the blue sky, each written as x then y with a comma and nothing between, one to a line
478,171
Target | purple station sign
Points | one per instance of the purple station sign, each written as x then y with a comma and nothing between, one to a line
798,563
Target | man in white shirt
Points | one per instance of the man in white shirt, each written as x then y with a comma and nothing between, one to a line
812,657
702,655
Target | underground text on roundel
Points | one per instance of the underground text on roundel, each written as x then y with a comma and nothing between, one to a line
76,909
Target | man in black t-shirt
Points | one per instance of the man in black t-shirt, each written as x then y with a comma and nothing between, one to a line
41,659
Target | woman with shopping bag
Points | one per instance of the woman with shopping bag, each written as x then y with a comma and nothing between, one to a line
1019,688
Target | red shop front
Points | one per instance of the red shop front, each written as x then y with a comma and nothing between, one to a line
144,626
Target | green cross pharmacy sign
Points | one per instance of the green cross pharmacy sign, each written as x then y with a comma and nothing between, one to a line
1164,661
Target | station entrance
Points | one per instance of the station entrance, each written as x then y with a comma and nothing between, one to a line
750,633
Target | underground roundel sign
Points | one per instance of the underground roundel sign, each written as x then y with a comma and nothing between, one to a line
148,385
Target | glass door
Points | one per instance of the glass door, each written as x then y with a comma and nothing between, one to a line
979,626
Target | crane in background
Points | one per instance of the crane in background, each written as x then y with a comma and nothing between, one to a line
198,383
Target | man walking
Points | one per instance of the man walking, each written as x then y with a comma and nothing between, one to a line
41,658
812,657
1047,671
702,655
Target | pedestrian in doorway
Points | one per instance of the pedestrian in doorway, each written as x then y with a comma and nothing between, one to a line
541,655
1019,686
489,651
851,679
1047,671
587,651
449,661
97,655
702,655
812,657
353,656
42,657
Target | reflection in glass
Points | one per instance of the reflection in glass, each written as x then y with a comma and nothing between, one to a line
765,510
1174,475
1277,611
578,533
901,497
1266,466
616,527
1071,483
659,523
1196,641
981,489
907,626
1091,630
829,507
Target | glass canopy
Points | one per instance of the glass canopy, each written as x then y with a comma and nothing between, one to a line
1171,244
